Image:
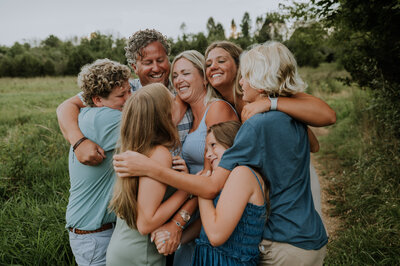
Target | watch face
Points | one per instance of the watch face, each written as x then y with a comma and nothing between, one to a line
185,216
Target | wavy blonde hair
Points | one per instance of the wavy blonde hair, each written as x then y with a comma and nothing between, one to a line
146,123
272,67
198,61
100,78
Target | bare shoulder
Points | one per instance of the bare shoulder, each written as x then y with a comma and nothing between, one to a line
220,105
241,170
162,155
300,95
220,111
244,175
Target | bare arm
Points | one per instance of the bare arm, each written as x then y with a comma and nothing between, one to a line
219,222
301,106
67,114
219,112
87,152
314,144
174,230
152,212
132,163
179,108
191,232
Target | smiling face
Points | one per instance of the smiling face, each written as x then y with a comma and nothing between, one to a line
214,150
188,81
153,66
116,99
220,69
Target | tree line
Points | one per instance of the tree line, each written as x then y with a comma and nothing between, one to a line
54,57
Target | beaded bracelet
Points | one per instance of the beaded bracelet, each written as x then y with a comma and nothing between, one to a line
178,224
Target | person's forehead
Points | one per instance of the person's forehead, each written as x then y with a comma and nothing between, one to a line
152,49
218,52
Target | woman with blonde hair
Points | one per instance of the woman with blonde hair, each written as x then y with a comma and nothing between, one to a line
279,147
143,204
189,80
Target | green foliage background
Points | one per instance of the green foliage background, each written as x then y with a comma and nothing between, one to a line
361,153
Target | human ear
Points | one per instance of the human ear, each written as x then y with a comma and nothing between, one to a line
97,100
134,67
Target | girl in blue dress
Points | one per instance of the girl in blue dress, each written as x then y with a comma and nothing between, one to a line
234,221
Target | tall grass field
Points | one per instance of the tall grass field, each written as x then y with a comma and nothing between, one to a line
34,179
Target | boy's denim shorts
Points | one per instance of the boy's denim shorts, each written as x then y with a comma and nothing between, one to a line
90,249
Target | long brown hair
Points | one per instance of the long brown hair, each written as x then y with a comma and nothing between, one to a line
146,123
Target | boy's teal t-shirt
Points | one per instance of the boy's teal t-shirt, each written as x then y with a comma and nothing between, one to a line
91,186
277,145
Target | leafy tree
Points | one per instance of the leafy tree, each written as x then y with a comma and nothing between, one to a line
7,66
51,41
16,49
28,65
80,56
244,39
118,51
307,44
49,68
215,31
246,25
368,38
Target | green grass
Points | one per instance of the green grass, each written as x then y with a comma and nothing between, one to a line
361,161
34,180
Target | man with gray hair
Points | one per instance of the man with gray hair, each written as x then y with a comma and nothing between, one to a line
147,53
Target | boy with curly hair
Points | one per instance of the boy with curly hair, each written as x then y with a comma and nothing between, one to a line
105,88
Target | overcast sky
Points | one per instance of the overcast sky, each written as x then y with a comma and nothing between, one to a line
29,20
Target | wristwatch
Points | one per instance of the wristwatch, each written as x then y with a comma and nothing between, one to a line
274,103
185,215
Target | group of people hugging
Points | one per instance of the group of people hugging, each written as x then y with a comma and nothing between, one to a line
202,161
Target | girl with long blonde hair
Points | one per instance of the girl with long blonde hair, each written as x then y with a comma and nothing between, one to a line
142,204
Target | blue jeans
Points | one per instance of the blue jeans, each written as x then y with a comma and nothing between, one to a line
90,249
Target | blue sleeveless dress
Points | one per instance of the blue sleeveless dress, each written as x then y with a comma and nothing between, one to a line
242,246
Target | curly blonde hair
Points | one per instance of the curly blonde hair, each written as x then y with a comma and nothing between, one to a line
100,78
140,40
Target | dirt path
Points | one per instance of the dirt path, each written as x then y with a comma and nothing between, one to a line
332,223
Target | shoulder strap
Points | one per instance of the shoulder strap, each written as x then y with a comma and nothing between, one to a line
258,180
